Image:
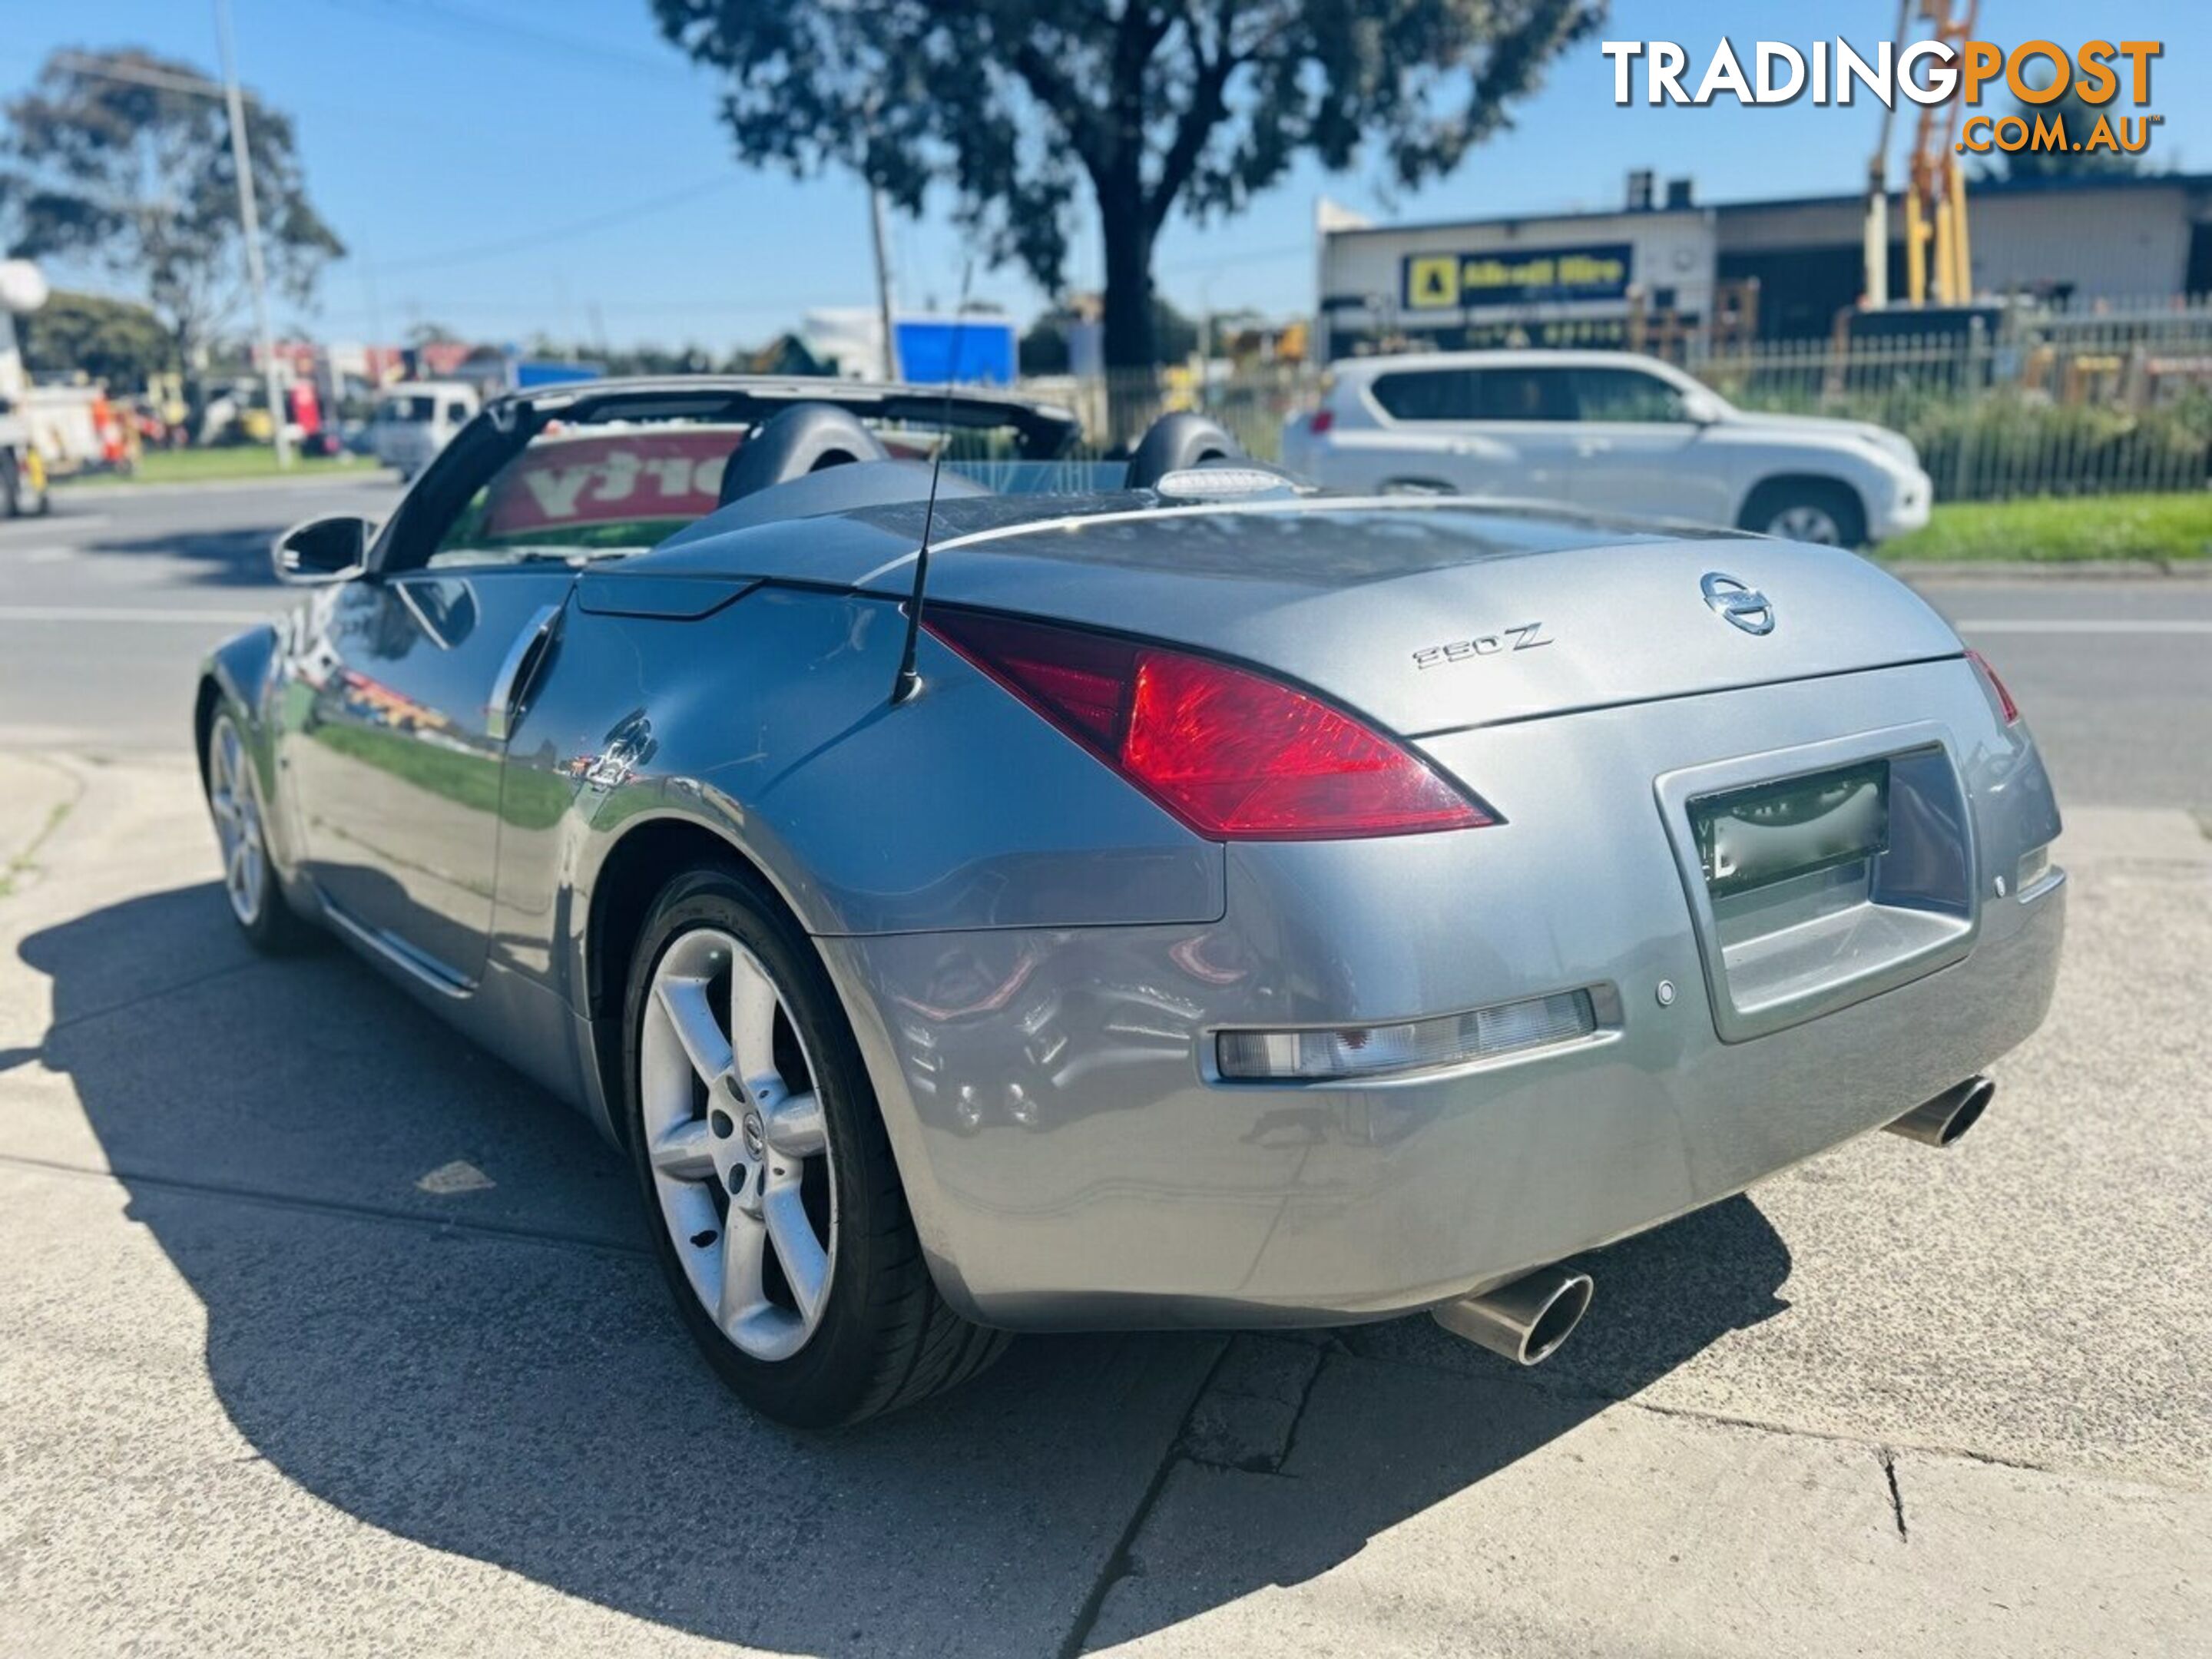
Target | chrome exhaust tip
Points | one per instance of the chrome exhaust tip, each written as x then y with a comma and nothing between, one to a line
1524,1321
1950,1114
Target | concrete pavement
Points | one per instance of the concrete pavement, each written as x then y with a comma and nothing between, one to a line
278,1381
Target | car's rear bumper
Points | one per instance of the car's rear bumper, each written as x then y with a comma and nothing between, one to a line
1072,1160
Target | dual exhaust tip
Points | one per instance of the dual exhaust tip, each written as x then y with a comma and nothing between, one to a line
1527,1319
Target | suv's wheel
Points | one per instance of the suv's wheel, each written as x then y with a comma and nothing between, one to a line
1807,510
776,1208
249,878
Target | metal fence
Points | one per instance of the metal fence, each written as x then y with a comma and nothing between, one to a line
2044,403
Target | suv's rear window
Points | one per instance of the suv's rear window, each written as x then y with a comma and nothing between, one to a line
1475,394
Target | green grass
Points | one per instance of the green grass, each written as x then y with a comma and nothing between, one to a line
235,461
13,869
2058,530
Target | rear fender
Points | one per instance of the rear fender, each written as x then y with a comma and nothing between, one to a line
768,724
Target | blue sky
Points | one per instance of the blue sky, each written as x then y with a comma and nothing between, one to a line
448,141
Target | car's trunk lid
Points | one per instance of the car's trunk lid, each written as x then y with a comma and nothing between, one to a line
1431,618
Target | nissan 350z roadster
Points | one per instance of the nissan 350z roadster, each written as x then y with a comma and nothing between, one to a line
982,891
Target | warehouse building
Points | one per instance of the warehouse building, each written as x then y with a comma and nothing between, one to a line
1662,267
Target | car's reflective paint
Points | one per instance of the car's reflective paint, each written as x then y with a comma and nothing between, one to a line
1034,957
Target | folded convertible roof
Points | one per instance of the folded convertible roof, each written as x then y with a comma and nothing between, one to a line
1044,431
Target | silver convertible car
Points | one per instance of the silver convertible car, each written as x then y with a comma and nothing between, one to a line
982,892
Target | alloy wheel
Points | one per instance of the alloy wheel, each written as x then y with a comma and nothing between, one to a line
237,821
1807,523
738,1145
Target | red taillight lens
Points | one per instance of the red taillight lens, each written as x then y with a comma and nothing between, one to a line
1235,755
1322,419
2004,697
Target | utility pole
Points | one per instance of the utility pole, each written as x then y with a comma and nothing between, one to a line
250,221
877,216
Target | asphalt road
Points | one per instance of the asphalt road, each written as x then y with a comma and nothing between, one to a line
106,606
324,1332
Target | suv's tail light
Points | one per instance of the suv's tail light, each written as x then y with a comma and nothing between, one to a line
1235,755
1320,420
2004,697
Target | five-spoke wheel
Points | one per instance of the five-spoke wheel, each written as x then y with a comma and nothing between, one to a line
237,823
249,876
735,1136
764,1158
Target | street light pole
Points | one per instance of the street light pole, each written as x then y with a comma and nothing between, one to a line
250,221
885,306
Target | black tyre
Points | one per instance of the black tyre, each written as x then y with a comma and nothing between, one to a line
23,488
1816,510
776,1210
249,876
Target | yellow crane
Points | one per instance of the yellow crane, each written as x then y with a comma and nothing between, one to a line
1938,254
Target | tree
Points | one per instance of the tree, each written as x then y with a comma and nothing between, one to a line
1154,104
123,159
112,340
1044,348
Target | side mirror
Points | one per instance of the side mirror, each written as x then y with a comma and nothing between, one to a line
322,550
1700,408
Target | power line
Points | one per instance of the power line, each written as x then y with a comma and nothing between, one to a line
784,304
561,233
456,20
1249,256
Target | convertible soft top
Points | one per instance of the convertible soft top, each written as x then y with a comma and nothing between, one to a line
1044,431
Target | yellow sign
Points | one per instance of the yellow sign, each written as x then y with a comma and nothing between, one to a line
1444,282
1432,280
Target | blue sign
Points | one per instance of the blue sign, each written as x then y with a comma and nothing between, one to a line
530,373
956,351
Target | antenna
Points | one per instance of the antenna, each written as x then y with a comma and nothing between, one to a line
910,680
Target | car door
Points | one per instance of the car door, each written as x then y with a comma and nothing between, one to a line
1496,430
396,755
1636,449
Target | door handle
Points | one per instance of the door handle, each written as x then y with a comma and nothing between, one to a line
514,674
1586,447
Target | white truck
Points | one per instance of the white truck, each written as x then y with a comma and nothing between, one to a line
416,419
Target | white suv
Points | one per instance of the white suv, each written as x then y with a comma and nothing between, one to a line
1609,430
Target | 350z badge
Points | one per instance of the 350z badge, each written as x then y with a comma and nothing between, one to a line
1523,637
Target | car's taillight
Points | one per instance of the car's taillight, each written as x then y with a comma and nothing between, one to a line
2004,697
1322,421
1236,756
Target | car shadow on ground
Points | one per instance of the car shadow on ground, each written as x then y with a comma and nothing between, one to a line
492,1371
228,556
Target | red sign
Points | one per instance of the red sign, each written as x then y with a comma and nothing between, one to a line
589,479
